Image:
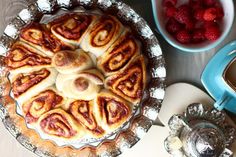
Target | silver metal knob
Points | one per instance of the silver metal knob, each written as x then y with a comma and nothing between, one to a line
204,139
200,132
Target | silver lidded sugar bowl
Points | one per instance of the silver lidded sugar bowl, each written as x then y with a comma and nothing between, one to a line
200,132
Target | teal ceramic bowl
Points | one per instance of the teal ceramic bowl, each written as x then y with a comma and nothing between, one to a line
216,81
227,23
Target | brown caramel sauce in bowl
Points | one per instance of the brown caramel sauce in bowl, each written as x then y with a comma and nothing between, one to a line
230,74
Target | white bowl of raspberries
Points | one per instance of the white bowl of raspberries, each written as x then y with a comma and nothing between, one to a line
194,25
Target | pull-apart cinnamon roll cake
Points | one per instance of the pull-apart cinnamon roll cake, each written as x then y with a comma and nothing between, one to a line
41,103
77,77
102,34
58,124
83,112
23,58
84,85
130,81
111,110
26,85
120,53
67,61
71,28
38,36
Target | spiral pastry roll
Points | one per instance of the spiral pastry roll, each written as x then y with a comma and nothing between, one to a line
23,58
111,110
119,54
25,86
102,34
84,85
59,125
83,112
67,61
41,103
129,83
37,36
72,27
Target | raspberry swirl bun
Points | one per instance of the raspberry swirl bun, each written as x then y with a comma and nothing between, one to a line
42,103
84,85
111,110
37,36
25,86
130,82
67,62
102,34
83,112
72,27
119,54
59,125
23,58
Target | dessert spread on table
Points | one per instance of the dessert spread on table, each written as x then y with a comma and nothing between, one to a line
78,80
77,77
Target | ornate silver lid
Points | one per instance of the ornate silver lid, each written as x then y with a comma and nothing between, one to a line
200,132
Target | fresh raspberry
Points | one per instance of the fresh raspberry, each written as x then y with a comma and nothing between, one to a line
170,11
183,37
168,3
218,4
209,3
183,14
198,14
208,24
212,33
200,25
190,25
195,4
198,35
172,26
194,21
220,12
210,14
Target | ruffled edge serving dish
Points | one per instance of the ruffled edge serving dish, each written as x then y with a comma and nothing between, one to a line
149,106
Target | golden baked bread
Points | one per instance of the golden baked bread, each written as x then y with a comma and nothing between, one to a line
25,86
120,53
59,124
130,81
76,78
111,111
102,34
67,61
41,103
83,112
84,85
71,28
23,58
39,37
